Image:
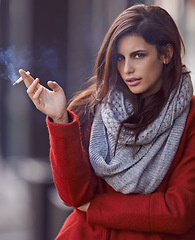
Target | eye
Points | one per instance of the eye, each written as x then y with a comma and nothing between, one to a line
139,55
120,57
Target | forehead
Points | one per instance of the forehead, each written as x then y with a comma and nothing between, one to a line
131,43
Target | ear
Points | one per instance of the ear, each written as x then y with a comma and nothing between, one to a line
168,53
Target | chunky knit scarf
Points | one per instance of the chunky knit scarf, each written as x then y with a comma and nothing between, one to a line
155,146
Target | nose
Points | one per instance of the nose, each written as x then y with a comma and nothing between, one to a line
128,67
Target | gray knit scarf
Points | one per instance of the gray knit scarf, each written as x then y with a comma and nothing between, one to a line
155,146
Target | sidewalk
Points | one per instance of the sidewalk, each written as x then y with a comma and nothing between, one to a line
30,208
14,207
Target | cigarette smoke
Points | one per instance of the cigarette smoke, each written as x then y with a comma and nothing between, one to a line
11,59
44,59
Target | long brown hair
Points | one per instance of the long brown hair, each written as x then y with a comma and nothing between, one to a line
156,27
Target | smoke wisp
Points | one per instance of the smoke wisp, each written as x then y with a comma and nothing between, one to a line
43,60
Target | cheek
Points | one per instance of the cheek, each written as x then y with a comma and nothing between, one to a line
120,67
154,69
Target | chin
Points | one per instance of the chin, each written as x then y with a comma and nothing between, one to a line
136,92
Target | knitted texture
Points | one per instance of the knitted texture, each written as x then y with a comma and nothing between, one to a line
155,146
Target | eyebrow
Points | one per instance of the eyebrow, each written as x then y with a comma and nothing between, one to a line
135,52
138,51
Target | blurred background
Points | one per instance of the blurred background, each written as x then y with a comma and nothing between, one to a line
54,40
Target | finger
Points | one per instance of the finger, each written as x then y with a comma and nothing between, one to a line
54,86
28,79
38,92
33,88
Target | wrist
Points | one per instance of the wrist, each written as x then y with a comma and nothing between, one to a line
61,120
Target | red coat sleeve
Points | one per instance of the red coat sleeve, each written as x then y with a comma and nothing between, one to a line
72,173
171,209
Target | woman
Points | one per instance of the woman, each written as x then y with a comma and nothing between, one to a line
125,159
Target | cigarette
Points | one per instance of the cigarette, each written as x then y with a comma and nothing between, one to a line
20,79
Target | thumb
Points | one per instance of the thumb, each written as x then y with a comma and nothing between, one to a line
54,86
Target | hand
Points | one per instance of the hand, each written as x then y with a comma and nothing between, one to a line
50,102
84,207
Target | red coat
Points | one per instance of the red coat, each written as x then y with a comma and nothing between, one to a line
168,213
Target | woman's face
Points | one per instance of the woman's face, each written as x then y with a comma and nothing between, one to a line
139,65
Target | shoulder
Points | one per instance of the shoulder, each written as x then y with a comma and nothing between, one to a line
192,109
190,123
193,101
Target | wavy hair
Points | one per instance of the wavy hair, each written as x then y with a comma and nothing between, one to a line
156,27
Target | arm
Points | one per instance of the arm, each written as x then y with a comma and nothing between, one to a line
170,210
72,173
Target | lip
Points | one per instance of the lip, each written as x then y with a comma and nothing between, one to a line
133,81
